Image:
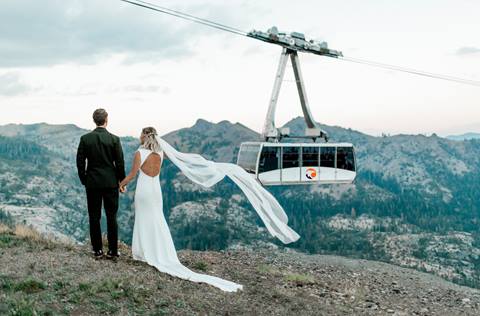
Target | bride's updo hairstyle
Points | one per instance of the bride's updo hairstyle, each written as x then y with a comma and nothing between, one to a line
149,140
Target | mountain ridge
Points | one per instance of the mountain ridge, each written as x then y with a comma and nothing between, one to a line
415,201
12,129
464,136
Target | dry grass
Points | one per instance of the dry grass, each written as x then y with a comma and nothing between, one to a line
4,229
28,233
33,236
300,279
268,269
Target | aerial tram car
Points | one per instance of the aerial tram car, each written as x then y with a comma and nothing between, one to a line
273,162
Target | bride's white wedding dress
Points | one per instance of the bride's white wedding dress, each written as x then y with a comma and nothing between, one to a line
152,241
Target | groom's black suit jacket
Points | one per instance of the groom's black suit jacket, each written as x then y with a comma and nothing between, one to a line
100,161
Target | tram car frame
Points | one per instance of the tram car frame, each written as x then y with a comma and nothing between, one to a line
298,163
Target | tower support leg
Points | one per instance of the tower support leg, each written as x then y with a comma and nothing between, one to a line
269,129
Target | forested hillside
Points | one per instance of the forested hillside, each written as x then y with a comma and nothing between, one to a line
415,203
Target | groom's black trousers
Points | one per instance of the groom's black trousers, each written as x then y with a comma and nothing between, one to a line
110,203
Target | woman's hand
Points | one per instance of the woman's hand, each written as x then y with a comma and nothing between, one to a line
123,185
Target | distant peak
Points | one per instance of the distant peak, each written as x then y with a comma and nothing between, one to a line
202,121
202,124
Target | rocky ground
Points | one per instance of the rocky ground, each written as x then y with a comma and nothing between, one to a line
39,276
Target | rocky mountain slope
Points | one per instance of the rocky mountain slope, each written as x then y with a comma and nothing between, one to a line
416,202
38,181
465,136
39,276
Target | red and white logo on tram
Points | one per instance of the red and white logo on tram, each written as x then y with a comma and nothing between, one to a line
311,173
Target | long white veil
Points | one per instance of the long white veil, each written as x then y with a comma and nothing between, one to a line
207,173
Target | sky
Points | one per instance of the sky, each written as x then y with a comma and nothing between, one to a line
62,59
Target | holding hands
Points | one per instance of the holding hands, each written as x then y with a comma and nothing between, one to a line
135,167
122,186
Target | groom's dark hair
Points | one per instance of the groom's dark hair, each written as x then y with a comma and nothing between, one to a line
100,116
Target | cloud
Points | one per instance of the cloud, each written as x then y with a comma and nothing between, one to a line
11,84
467,50
42,33
145,89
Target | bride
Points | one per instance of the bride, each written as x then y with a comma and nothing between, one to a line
152,241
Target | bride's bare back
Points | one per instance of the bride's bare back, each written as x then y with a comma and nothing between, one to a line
151,166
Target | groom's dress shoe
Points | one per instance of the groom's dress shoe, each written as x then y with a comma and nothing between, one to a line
112,256
98,254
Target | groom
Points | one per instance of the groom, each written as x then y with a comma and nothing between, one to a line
101,167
